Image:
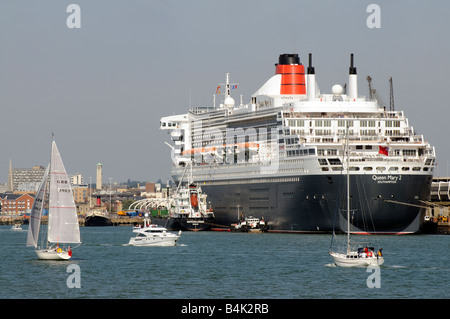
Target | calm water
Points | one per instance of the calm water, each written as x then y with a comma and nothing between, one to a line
222,265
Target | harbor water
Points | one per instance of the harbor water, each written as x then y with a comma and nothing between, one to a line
221,265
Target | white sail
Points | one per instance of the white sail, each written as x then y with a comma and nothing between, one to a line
63,222
36,212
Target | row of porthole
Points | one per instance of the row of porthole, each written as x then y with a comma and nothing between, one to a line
379,169
323,196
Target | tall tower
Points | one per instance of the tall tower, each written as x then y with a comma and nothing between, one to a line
10,177
99,176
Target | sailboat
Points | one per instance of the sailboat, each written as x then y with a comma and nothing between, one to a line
355,255
63,228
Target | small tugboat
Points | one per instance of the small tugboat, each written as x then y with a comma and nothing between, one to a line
153,235
98,217
251,224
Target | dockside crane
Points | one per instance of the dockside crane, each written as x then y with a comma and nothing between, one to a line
373,93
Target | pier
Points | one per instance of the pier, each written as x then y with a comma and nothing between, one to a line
126,221
437,214
116,221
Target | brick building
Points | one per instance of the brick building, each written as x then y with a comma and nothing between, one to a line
16,204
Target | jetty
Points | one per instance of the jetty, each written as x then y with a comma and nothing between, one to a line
116,221
126,221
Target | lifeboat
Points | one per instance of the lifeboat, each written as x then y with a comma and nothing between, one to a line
203,150
194,200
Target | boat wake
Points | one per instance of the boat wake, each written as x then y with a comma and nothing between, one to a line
176,245
395,266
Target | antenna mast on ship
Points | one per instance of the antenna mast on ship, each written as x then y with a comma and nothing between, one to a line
229,101
391,100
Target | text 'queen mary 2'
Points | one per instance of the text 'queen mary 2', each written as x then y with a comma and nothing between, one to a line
283,156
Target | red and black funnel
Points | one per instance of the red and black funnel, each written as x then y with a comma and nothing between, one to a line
292,74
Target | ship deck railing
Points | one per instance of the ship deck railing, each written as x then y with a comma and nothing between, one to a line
338,139
287,113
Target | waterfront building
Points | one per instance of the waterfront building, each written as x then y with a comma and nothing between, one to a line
80,193
16,204
76,179
25,179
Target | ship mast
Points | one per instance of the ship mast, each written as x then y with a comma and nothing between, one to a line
228,101
391,98
227,85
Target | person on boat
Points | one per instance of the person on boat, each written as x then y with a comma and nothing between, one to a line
379,252
69,251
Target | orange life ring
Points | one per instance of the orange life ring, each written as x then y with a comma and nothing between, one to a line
369,254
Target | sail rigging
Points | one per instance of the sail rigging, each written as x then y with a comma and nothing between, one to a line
36,211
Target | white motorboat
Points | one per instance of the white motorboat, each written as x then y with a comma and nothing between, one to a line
16,227
153,235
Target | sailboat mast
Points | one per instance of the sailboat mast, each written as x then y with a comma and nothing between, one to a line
47,189
348,191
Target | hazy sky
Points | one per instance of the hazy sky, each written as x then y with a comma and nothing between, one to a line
103,88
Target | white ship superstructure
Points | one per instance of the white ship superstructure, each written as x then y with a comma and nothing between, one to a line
282,156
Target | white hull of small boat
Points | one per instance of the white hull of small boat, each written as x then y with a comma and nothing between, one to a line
154,241
345,260
153,235
51,254
16,227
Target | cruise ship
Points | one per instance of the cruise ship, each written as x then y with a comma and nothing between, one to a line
283,156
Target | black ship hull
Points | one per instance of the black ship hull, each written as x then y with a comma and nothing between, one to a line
187,224
379,203
429,227
184,224
97,221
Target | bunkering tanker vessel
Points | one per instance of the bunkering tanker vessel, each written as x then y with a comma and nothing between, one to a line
282,157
